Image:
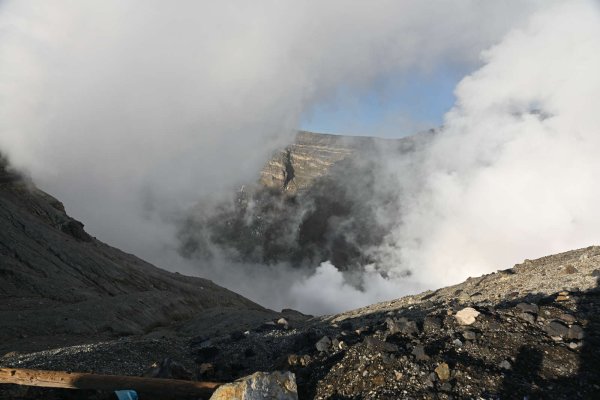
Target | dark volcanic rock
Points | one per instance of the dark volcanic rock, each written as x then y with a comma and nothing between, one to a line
432,324
402,325
556,329
59,285
306,192
379,345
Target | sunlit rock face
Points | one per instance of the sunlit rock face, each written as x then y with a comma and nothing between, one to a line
320,198
311,156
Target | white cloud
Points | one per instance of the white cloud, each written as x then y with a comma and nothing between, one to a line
131,111
512,175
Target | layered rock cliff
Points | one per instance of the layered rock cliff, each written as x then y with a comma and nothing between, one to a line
317,199
313,155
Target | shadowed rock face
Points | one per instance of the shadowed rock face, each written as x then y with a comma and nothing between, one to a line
536,334
55,279
314,202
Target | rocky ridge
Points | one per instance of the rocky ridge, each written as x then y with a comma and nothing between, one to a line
531,331
59,285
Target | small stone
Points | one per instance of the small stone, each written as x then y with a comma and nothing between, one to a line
379,345
568,318
569,269
362,330
342,345
563,293
324,344
576,332
169,369
457,342
432,324
283,322
443,372
561,297
335,343
505,364
446,387
293,360
305,360
467,316
574,345
378,380
528,317
556,329
469,335
528,308
398,375
402,325
419,353
463,297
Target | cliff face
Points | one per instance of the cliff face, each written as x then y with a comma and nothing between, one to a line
314,202
55,279
295,167
312,155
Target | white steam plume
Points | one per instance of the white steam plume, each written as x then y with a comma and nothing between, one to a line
131,111
513,173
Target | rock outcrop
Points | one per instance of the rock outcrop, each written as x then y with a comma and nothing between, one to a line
314,202
295,167
312,155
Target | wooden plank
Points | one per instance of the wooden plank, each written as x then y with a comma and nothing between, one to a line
163,388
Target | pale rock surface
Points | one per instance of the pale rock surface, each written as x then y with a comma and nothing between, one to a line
260,386
467,316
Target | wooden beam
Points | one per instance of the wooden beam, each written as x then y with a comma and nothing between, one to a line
158,388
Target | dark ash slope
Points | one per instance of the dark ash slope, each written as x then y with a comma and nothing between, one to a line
58,285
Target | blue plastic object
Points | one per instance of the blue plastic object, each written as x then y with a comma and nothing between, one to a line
126,394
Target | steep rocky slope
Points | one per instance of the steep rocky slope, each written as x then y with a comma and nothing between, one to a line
60,285
535,334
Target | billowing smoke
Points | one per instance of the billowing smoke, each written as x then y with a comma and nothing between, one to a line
512,175
131,112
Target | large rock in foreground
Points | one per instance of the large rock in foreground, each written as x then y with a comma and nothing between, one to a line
260,386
